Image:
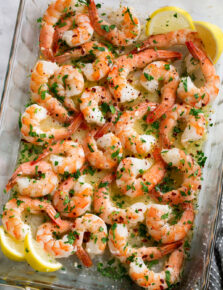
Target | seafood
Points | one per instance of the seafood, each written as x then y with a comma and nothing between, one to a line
130,26
51,83
105,152
90,223
111,214
48,235
31,126
65,156
119,246
90,101
191,177
118,84
135,177
93,71
154,281
34,180
202,96
61,21
73,197
169,39
157,217
12,215
67,82
130,139
153,74
195,125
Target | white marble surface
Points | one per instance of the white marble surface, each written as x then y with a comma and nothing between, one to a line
8,13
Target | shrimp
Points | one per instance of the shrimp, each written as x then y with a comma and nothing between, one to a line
48,236
73,197
119,246
191,177
150,280
12,215
76,27
118,84
96,244
157,217
153,74
130,26
65,156
93,71
103,153
195,128
136,177
111,214
130,139
172,38
31,126
202,96
90,101
34,180
64,82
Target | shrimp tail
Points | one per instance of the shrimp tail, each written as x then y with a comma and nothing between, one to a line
53,215
195,51
166,54
77,121
84,257
170,248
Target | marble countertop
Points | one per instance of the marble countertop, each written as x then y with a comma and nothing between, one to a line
8,13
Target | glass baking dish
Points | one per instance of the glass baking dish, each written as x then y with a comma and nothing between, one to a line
23,56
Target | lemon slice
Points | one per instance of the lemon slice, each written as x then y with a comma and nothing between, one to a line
212,37
11,248
168,18
37,257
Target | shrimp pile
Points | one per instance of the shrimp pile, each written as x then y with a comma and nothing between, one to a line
111,144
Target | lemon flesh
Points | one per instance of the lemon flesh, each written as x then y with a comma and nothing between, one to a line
10,247
212,37
168,18
38,258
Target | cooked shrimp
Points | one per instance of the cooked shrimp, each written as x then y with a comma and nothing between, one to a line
90,101
150,280
12,215
191,177
111,214
65,156
93,71
118,84
31,126
119,246
105,152
73,197
48,235
157,217
195,125
136,177
76,27
64,82
153,74
202,96
34,180
90,223
128,33
130,139
166,40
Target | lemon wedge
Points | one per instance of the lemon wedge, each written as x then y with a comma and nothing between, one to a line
168,18
212,37
38,258
10,247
